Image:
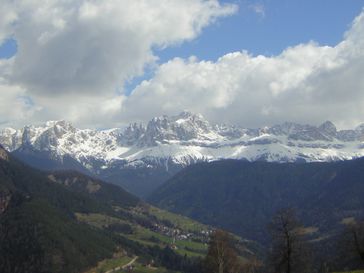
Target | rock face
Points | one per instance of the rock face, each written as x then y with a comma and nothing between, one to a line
170,143
3,154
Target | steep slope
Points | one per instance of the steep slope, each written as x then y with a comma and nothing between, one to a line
46,160
38,232
67,222
94,188
242,196
141,157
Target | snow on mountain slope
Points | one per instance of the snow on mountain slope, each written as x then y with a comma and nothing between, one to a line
185,139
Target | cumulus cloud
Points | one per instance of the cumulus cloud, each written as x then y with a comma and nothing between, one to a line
74,56
7,17
92,46
80,51
15,106
307,83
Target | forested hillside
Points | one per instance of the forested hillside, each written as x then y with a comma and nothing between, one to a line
242,196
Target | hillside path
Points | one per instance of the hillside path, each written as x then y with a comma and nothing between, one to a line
124,266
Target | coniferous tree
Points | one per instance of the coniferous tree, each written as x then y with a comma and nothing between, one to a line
20,249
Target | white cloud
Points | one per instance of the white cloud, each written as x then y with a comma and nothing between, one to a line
81,51
15,106
7,17
92,46
74,54
307,83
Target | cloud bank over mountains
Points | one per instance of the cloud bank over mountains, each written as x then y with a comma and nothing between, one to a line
75,57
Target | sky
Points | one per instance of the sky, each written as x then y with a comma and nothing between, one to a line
106,63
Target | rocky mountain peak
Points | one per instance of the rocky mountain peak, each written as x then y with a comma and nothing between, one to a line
10,138
187,115
132,134
231,131
190,121
183,127
28,134
296,131
284,128
47,137
328,127
60,126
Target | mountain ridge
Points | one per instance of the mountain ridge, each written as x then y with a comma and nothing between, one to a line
169,143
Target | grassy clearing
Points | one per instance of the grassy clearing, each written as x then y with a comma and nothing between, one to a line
97,220
109,264
137,267
180,221
143,269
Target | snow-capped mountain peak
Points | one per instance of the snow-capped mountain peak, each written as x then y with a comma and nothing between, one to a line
184,139
328,128
183,127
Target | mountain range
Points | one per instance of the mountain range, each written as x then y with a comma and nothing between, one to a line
225,176
141,157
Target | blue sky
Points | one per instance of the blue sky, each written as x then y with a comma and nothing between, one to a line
284,23
8,49
74,58
278,24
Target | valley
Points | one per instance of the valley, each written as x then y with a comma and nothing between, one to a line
242,196
68,222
